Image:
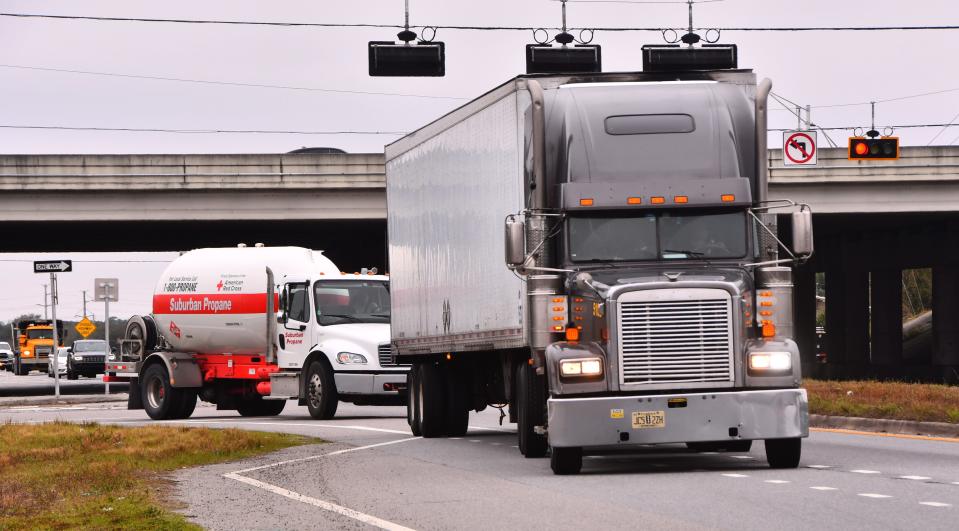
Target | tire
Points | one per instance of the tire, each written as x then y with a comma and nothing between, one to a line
531,411
457,402
187,404
72,375
20,370
432,400
783,453
412,402
321,397
160,400
257,407
566,461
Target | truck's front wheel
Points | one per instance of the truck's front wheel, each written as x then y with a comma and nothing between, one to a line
530,398
412,402
321,396
783,453
431,402
566,461
161,400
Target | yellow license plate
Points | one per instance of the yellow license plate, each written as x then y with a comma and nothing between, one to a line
649,419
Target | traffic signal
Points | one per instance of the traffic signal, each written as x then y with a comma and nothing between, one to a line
676,58
546,59
425,59
886,148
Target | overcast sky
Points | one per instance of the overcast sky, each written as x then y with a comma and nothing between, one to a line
817,68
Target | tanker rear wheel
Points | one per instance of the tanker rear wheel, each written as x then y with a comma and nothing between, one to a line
161,400
321,397
257,407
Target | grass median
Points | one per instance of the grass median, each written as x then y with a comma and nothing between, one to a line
63,476
884,400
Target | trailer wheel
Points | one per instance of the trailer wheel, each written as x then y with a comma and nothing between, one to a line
412,402
432,400
531,405
566,461
783,453
257,407
457,401
321,396
161,400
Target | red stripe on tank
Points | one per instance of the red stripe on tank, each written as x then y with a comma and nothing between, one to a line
212,303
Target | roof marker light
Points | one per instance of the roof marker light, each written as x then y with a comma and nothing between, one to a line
634,201
728,198
681,199
656,200
585,202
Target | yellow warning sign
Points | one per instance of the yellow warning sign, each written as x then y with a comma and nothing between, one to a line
85,327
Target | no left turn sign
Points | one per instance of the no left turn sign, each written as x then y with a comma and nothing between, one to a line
799,148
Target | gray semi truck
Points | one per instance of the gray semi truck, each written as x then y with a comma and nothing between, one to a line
644,297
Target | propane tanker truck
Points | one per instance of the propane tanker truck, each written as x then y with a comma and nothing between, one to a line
643,298
249,328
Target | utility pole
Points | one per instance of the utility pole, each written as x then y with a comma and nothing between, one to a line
84,303
56,340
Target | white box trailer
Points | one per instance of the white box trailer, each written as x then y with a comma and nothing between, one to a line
536,231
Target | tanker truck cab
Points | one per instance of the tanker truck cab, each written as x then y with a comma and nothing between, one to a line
336,329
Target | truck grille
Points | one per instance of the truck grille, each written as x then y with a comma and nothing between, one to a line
671,339
43,351
91,359
386,357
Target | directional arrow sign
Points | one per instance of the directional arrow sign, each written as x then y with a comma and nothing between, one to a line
53,266
85,327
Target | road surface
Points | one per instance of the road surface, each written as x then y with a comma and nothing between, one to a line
373,473
40,384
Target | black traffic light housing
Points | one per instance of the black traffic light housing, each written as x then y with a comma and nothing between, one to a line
546,59
885,148
676,58
424,59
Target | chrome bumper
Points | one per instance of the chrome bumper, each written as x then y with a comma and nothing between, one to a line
608,421
371,383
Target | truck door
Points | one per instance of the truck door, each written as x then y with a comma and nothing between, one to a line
295,330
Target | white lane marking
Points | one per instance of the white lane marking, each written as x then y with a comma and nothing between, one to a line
736,475
306,424
475,440
915,478
503,430
325,505
936,504
312,457
955,482
455,438
873,495
823,488
776,481
819,466
865,472
497,444
708,453
742,457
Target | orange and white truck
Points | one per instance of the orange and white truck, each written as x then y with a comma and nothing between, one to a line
34,343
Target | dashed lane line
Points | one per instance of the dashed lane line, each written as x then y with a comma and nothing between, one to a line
873,495
776,481
742,457
736,475
915,478
820,467
823,488
935,504
860,471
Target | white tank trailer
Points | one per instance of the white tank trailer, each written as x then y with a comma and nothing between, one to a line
249,328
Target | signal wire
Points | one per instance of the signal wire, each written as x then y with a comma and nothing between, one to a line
200,131
779,99
473,28
943,130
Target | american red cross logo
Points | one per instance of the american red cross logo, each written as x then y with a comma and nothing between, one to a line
219,286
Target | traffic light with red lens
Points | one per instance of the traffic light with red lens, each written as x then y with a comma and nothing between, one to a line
886,148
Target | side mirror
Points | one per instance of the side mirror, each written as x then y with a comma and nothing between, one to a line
515,242
802,233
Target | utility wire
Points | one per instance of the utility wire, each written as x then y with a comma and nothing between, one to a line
911,96
779,99
199,131
228,83
851,128
473,28
943,130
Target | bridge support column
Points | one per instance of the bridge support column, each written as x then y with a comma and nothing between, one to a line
945,322
847,312
886,347
804,310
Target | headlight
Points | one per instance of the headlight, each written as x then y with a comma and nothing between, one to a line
769,362
26,353
582,367
345,358
78,358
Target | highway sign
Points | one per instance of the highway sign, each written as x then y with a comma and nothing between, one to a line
85,327
106,289
799,148
53,266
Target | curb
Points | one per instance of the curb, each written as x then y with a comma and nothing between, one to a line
63,400
902,427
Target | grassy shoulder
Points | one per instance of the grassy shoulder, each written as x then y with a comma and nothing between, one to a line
884,400
62,475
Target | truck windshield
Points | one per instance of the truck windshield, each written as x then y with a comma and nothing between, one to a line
661,236
40,333
352,301
4,346
90,346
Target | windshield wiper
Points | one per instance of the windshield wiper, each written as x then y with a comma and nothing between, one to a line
685,251
353,318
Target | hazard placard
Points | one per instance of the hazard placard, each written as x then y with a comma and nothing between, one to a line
799,148
85,327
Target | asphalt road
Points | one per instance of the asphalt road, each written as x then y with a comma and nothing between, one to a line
40,384
373,473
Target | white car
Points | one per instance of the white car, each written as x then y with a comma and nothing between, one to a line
6,356
62,354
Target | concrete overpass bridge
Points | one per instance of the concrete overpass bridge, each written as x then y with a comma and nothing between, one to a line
873,220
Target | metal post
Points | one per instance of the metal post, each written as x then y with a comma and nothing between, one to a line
798,118
84,303
106,331
44,301
56,340
808,117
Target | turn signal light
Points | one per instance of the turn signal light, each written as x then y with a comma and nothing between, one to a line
572,334
769,329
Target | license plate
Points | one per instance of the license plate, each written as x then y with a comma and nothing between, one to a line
649,419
